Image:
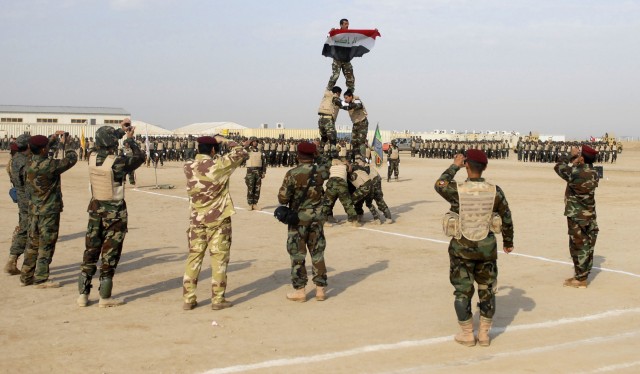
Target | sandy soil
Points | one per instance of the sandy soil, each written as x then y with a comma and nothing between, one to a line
390,305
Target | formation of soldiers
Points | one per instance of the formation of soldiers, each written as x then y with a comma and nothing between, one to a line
552,151
447,149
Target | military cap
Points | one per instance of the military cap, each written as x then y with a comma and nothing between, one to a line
477,155
588,150
39,140
14,147
23,140
207,140
307,148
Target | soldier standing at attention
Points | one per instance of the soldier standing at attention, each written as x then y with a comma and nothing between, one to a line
210,219
580,210
476,209
107,209
345,66
44,189
256,170
393,158
17,168
360,127
308,234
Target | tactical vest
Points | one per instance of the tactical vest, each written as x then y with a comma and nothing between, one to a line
160,146
395,154
373,172
255,159
359,177
342,152
326,105
279,147
367,153
358,115
476,208
103,187
338,169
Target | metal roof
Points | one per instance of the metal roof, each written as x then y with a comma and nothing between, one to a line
62,110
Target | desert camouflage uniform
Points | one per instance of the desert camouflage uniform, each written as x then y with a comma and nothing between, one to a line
18,168
45,193
308,234
580,210
210,219
474,260
107,224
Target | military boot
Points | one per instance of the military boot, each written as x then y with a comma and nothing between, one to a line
573,282
299,295
12,265
320,294
465,337
82,300
387,215
106,301
356,223
109,302
224,304
483,331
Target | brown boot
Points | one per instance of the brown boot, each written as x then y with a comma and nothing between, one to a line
12,265
483,332
224,304
320,295
465,337
573,282
299,295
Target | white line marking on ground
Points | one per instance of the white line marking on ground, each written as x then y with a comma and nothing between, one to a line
616,367
436,241
412,343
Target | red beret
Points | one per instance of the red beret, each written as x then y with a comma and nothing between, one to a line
477,155
39,140
588,150
307,148
207,140
13,147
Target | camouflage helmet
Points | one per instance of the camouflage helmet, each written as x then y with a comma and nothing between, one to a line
106,137
23,141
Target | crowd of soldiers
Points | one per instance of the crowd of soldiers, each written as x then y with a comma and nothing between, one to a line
552,151
447,149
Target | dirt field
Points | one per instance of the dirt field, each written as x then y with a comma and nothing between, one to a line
390,305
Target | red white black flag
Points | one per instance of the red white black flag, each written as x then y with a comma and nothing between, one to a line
343,45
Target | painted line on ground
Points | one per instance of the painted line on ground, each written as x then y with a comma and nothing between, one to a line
615,367
416,343
437,241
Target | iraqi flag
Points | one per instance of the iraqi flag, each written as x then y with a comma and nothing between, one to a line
343,45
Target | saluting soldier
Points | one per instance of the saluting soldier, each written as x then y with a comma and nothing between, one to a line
256,171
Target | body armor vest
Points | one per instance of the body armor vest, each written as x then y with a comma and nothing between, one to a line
395,154
326,105
342,152
359,177
103,187
476,208
255,159
338,170
357,115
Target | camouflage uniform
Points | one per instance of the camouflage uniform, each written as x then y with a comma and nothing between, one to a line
254,176
18,168
328,112
308,234
210,219
108,219
45,193
347,70
474,260
393,158
580,210
337,188
360,127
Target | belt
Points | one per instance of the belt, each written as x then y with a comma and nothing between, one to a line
326,116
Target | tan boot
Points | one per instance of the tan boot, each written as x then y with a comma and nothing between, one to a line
483,332
12,265
299,295
320,295
573,282
47,284
465,337
109,302
356,223
82,300
256,207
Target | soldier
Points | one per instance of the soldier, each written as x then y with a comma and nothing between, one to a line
43,186
107,209
302,190
345,66
328,112
475,213
378,196
393,158
580,210
337,188
210,221
256,170
17,168
362,189
360,127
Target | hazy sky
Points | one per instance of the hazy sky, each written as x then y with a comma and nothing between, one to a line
553,66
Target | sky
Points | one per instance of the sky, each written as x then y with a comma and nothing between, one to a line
568,67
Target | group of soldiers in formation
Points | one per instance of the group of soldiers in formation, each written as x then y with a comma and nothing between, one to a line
444,148
551,151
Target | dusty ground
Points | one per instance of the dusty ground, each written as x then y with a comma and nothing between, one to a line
390,305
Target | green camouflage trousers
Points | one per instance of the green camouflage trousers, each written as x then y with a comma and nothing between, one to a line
337,188
299,239
253,180
462,275
218,240
582,241
378,196
19,241
359,137
347,70
43,235
328,133
104,238
394,166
